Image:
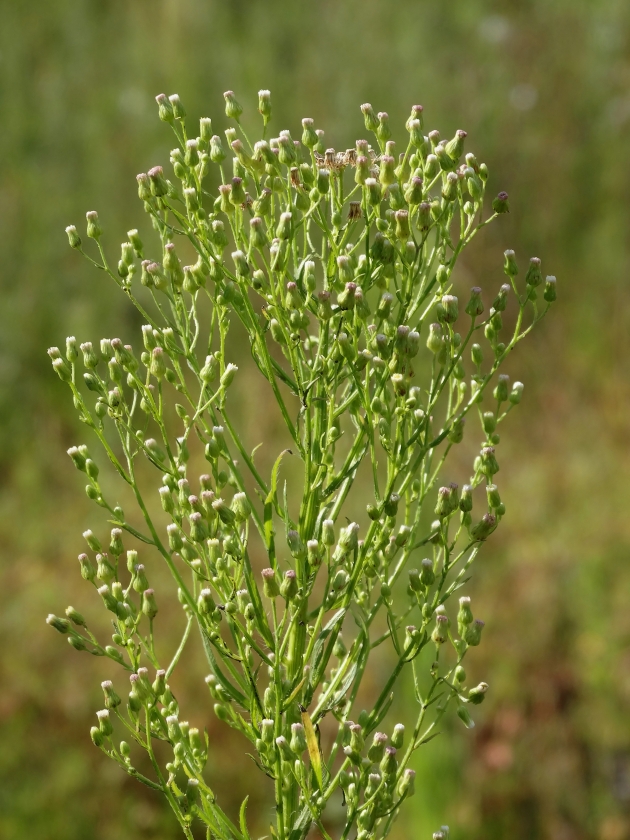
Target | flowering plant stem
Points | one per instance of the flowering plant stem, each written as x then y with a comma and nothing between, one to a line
340,262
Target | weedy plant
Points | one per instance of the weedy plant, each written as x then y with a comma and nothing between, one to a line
339,267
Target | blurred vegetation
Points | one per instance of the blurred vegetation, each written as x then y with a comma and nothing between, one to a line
543,88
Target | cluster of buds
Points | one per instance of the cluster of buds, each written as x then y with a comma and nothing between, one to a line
340,268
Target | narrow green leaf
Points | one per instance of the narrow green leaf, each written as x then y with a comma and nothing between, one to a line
242,821
312,745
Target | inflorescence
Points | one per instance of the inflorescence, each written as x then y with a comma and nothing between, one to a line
340,268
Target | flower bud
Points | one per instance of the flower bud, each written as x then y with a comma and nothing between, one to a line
501,391
484,527
464,715
449,190
477,695
388,763
149,604
328,532
383,130
270,583
474,307
75,617
370,118
373,190
289,586
73,237
440,633
97,736
427,575
298,738
61,625
377,748
516,393
94,230
112,700
509,266
472,636
406,786
228,375
500,203
104,723
550,289
398,736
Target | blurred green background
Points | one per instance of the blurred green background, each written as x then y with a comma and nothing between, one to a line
543,88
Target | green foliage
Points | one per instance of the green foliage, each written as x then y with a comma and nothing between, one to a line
341,267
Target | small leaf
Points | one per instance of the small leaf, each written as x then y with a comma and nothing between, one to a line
312,745
242,821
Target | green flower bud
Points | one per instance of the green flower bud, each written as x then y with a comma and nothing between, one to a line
450,309
157,366
406,786
383,130
398,736
289,586
97,736
456,434
152,184
116,544
205,602
474,307
94,230
390,505
449,190
423,219
387,174
370,118
440,633
73,237
414,580
210,369
500,393
87,570
427,575
328,532
75,617
484,527
373,191
510,267
500,203
309,138
140,581
179,112
270,584
149,604
298,738
489,464
464,616
165,109
494,499
402,225
228,375
104,723
472,636
112,700
92,541
550,289
388,764
464,715
533,276
477,695
346,298
516,393
61,625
